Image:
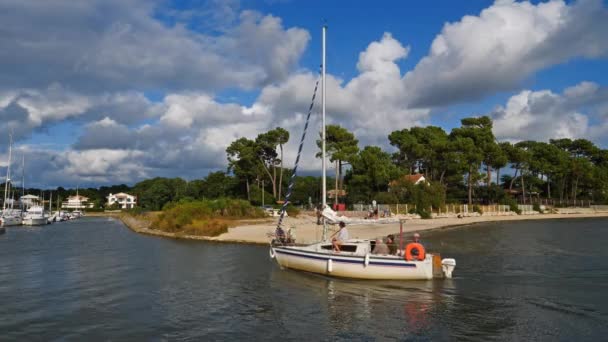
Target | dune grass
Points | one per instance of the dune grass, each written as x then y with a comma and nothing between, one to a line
204,217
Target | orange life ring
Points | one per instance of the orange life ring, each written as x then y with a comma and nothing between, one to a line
410,247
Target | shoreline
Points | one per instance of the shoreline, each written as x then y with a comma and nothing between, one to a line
307,230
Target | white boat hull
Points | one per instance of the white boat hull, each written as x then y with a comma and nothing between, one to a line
7,221
34,221
353,266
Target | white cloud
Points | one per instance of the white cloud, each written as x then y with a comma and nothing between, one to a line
504,45
371,104
543,115
27,110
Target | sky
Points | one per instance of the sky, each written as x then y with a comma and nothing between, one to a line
105,92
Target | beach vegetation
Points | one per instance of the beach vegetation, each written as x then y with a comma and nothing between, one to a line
204,217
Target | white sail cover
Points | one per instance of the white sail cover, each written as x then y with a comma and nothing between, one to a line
333,218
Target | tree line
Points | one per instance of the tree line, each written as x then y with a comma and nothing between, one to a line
461,166
466,165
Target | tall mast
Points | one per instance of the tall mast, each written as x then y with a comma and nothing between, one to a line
22,182
324,185
8,171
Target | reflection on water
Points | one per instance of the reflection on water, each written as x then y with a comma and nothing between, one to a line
94,279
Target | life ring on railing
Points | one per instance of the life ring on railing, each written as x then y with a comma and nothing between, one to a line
410,248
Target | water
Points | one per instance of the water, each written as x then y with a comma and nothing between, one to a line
93,279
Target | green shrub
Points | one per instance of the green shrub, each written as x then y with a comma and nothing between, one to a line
477,209
512,203
206,217
536,207
424,214
386,198
134,211
292,211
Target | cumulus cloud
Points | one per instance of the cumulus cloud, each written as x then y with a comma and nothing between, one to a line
112,44
105,133
543,115
505,44
28,110
371,104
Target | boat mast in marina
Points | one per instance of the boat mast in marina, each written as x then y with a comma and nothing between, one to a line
8,173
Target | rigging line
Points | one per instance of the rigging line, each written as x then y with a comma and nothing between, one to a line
295,168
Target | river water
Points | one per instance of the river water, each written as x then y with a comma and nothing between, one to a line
94,279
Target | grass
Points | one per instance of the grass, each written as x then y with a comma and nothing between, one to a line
204,218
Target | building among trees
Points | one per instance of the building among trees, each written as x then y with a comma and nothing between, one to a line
77,202
123,200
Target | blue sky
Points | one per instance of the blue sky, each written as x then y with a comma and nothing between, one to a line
118,91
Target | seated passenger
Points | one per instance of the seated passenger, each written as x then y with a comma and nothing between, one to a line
380,248
280,235
342,235
415,251
390,242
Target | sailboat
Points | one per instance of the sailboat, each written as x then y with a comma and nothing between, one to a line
9,217
355,258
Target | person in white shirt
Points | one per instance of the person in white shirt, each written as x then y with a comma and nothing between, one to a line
340,236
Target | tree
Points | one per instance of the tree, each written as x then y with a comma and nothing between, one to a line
154,193
218,184
371,173
475,141
409,152
282,139
268,156
341,146
243,160
424,148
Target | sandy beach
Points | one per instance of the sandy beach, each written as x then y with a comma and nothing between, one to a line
307,231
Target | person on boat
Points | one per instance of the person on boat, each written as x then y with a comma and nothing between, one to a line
415,251
319,212
380,248
280,234
390,242
339,237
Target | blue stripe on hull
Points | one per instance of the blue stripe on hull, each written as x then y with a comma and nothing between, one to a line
371,262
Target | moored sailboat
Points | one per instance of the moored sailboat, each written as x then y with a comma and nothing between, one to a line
8,216
355,258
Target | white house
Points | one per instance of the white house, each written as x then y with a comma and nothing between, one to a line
125,201
29,200
77,202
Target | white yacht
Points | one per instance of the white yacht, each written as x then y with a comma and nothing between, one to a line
35,216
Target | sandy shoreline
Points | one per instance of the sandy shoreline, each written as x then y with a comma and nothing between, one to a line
307,231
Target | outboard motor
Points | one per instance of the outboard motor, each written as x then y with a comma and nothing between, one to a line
448,265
